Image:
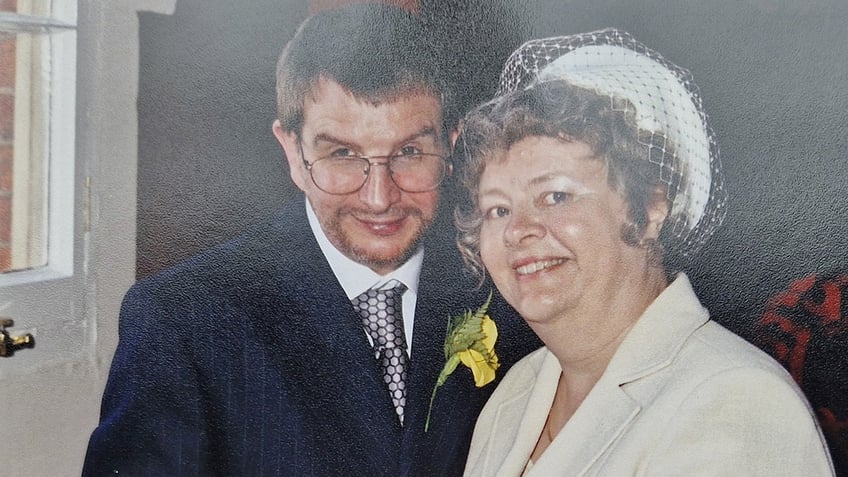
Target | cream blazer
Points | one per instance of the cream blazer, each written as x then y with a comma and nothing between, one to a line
682,396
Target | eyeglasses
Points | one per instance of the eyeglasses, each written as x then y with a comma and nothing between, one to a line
416,172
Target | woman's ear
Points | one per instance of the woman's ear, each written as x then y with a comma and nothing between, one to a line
656,212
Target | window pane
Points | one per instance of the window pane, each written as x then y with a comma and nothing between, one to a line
24,144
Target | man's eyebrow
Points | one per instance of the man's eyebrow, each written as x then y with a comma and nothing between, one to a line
329,138
425,131
326,137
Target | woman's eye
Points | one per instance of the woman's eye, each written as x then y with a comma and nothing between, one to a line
497,212
556,197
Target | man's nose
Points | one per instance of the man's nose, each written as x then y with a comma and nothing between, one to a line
379,192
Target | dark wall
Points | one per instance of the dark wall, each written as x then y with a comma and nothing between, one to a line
208,164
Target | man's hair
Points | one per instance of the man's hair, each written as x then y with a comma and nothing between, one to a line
565,112
377,52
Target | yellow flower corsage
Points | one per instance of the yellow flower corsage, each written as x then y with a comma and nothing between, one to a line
470,340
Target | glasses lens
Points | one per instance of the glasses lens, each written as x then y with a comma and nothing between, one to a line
340,175
418,172
410,172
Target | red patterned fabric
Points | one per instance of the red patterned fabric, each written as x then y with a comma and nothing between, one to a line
805,327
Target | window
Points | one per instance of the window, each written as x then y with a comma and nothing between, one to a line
37,86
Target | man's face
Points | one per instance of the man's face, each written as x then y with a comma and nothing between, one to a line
379,225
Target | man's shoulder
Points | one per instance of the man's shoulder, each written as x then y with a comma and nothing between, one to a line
254,257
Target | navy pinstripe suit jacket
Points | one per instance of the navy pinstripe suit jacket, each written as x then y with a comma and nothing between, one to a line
249,360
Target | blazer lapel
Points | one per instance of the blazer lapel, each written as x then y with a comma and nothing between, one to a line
607,412
316,340
444,291
603,416
620,394
523,414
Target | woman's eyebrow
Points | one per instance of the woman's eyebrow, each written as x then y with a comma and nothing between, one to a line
552,176
492,192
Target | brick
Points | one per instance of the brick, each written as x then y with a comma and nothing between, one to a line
5,218
6,168
5,258
7,62
8,5
7,118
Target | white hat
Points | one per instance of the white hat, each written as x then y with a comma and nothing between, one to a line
666,101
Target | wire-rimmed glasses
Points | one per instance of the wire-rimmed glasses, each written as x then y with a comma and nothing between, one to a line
416,172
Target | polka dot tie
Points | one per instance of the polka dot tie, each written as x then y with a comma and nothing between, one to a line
381,316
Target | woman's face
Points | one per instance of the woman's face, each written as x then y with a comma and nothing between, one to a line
551,234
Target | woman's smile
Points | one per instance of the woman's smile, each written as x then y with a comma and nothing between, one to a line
535,266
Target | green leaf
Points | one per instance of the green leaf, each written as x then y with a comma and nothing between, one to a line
464,332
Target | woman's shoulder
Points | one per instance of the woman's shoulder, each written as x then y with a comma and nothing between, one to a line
719,348
715,356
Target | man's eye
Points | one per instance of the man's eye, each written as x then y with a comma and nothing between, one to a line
408,151
343,152
556,197
497,212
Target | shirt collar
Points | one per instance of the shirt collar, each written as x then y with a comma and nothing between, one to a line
356,278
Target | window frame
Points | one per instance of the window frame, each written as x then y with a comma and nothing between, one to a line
58,59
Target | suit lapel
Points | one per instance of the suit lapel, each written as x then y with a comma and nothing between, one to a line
620,394
444,292
601,419
522,414
316,340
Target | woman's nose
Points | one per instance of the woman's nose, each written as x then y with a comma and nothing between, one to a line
523,226
379,192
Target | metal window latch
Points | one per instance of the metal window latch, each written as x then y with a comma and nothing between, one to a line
9,344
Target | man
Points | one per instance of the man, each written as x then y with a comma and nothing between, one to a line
257,357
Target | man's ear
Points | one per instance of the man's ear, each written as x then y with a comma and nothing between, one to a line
656,213
291,147
454,136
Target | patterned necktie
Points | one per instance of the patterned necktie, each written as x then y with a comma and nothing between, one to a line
381,316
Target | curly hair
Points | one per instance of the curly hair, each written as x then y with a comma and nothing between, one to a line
565,112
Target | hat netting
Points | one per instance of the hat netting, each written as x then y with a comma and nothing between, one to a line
667,106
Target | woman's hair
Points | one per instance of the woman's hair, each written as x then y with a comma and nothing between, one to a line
568,113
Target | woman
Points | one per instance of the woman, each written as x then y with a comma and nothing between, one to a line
592,176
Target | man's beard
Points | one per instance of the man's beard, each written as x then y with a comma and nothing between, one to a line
338,236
